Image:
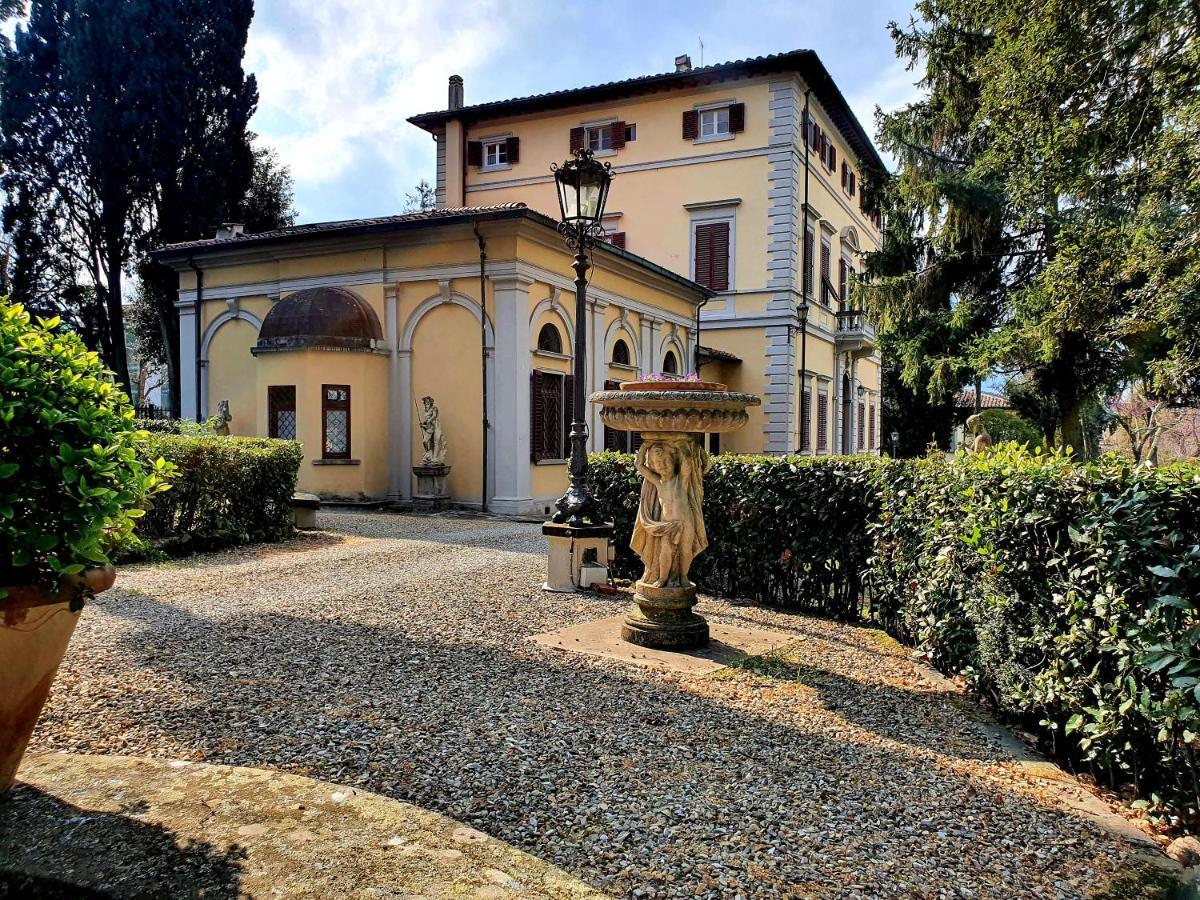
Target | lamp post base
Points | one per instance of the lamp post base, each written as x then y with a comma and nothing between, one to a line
576,558
663,619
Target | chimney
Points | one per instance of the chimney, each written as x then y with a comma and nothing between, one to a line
230,230
683,63
456,92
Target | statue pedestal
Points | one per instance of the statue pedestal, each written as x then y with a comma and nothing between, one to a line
431,487
663,619
576,558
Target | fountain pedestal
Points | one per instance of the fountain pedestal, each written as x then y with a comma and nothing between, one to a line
669,530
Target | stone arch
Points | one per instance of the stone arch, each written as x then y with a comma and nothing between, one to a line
672,342
849,239
551,305
215,325
410,327
620,328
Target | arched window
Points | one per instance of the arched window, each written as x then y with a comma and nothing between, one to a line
670,364
620,354
549,339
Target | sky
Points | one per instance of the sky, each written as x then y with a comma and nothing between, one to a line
338,78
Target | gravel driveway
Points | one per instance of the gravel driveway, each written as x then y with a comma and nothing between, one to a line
391,652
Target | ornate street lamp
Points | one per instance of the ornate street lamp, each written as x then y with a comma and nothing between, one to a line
802,324
582,192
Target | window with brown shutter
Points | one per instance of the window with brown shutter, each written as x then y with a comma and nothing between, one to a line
822,422
281,412
513,148
862,424
617,239
568,406
474,153
871,444
832,156
617,441
335,421
616,135
809,262
826,262
843,176
712,255
805,419
548,425
691,126
737,117
577,135
842,281
852,181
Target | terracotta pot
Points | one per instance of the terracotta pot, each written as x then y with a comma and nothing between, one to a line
35,628
672,386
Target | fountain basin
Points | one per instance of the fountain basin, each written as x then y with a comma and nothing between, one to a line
688,410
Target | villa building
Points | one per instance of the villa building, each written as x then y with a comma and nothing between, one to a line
736,198
743,176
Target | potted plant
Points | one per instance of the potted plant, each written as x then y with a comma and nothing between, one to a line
71,484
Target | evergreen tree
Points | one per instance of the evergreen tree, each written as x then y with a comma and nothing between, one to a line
1049,189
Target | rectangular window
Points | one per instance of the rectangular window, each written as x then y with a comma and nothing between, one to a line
598,137
872,443
843,281
826,256
862,425
805,419
810,245
711,255
495,153
714,122
822,422
551,401
335,421
281,412
630,133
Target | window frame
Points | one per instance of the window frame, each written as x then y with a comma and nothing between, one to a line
604,131
630,132
558,336
498,144
714,216
565,400
273,406
328,406
670,353
627,363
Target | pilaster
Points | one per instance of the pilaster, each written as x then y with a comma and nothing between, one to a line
513,482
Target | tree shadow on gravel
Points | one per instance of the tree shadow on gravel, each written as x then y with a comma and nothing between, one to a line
623,778
51,849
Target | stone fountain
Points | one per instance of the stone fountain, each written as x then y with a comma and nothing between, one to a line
669,530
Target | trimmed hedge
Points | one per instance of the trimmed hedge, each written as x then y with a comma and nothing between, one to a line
227,491
1066,595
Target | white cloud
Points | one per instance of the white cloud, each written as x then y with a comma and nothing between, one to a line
338,78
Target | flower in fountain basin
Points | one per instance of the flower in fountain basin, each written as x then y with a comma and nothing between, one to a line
667,376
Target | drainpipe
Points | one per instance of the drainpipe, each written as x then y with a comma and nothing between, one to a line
696,351
199,306
483,356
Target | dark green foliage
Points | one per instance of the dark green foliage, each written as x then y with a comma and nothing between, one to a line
1067,595
227,491
73,469
1005,426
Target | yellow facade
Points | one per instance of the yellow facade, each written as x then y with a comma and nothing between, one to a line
765,180
422,284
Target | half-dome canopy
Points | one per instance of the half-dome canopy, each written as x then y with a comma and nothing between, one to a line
325,317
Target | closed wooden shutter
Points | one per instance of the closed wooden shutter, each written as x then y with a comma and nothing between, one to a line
712,255
825,263
616,135
852,183
512,148
537,429
845,180
822,423
474,153
842,281
617,239
635,441
576,139
691,124
809,261
568,408
805,419
862,424
871,443
737,117
832,156
614,440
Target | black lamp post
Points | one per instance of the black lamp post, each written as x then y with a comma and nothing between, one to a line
802,324
582,192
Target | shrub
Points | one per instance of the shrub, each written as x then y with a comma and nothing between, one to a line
1066,595
1005,426
227,491
71,476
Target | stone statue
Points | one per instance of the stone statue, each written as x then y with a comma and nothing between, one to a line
432,439
669,530
223,418
983,440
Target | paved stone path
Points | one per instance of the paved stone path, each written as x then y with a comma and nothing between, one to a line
393,653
